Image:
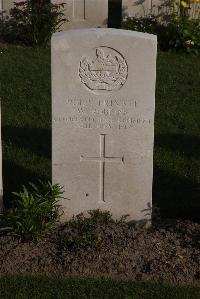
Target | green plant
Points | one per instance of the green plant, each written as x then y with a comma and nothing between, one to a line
148,23
179,34
83,229
35,213
175,30
189,35
180,31
34,21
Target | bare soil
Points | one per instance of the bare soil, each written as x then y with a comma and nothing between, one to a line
168,251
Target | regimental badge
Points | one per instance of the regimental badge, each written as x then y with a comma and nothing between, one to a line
108,71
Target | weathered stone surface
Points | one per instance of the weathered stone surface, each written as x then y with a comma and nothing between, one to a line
103,88
85,13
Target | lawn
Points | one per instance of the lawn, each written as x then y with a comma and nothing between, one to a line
13,287
25,92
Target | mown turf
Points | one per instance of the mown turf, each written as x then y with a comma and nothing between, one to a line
177,136
25,91
13,287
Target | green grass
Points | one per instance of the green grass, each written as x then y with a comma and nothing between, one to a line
177,136
25,91
13,287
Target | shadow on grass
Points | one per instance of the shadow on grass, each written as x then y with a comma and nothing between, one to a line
186,144
53,287
177,196
14,176
36,140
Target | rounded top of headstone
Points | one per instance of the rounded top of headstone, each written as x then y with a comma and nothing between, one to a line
104,31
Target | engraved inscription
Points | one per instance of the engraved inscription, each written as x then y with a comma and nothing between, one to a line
102,159
107,72
91,113
101,123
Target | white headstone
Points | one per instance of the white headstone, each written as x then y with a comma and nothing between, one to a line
103,88
85,13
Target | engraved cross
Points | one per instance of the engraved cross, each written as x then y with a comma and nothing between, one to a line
102,159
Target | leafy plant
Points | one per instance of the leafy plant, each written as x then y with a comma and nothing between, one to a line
83,230
175,30
32,22
189,35
147,24
181,34
36,212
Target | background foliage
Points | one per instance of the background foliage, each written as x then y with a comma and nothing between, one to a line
32,22
175,30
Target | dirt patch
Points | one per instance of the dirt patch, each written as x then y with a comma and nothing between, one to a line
165,252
